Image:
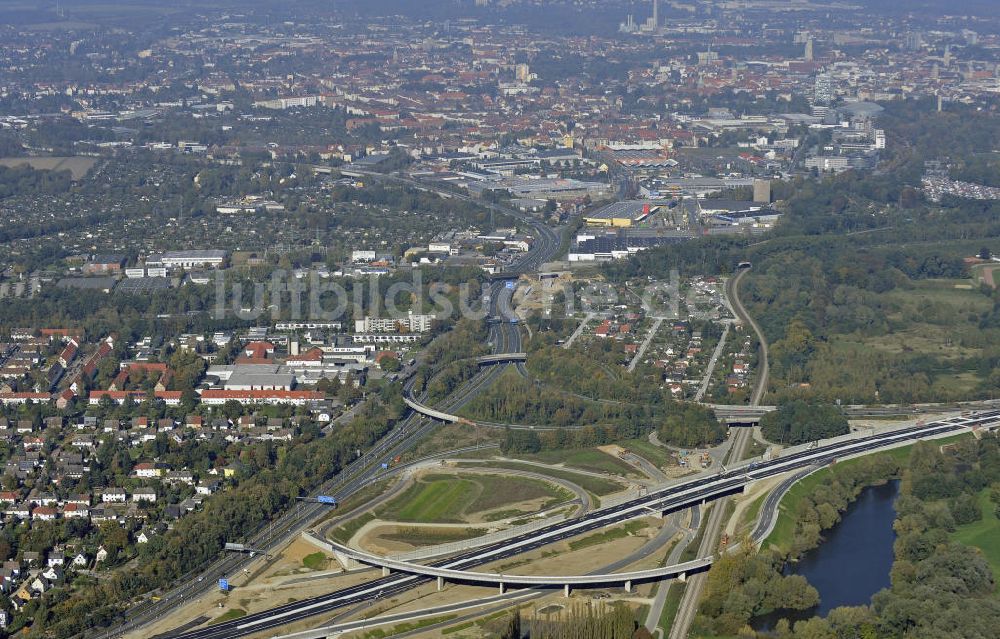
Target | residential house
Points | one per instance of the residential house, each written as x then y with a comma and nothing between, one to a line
20,511
150,470
76,511
53,574
144,495
114,495
44,513
207,487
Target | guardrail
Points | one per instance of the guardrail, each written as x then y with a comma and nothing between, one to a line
501,580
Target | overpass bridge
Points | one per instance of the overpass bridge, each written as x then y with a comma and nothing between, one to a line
501,358
675,496
502,581
441,416
658,502
504,276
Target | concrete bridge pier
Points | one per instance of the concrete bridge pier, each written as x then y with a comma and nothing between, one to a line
566,591
628,586
503,589
440,584
385,571
682,577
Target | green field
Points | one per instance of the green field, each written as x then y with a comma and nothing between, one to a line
229,615
670,606
594,485
451,498
749,517
343,534
658,455
983,534
433,499
316,561
379,633
433,536
588,459
934,318
612,534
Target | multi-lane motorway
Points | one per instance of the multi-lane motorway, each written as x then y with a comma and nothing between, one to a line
504,337
665,500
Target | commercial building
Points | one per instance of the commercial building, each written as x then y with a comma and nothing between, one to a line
253,377
558,189
622,214
616,245
701,186
187,259
825,163
104,264
410,324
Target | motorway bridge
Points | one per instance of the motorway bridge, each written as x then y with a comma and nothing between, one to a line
501,581
668,499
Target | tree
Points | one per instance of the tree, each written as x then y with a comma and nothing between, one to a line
798,422
390,363
232,409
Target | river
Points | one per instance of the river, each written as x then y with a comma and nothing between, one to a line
854,560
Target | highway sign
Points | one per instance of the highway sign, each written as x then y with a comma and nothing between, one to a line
511,284
235,547
326,499
224,585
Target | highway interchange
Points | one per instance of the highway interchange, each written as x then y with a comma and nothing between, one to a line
665,500
505,337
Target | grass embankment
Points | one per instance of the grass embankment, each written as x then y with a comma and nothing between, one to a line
595,485
419,536
433,499
658,455
342,534
587,459
399,629
316,561
983,534
358,499
612,534
450,498
229,615
748,518
670,607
